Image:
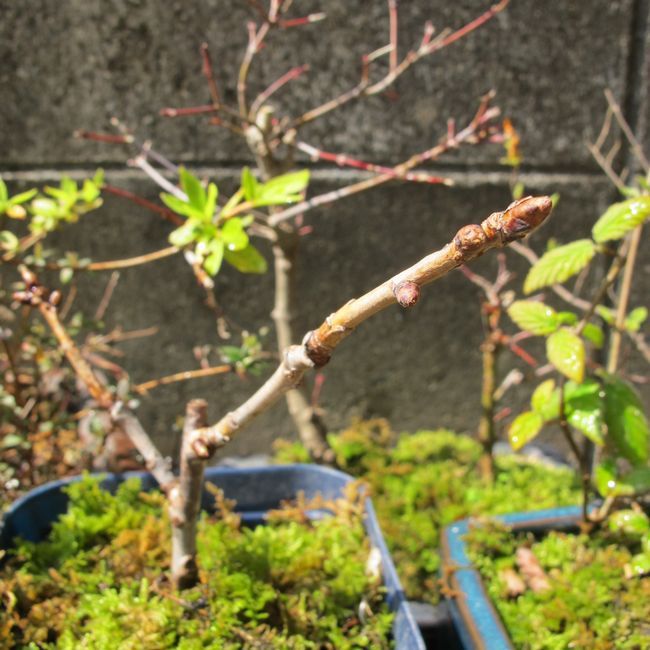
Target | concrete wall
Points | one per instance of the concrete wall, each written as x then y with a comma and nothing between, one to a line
75,63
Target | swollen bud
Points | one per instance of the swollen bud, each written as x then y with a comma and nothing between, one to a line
407,293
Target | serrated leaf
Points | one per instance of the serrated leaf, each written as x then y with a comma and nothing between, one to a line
583,406
545,400
248,260
566,351
234,235
626,422
620,218
594,334
534,317
249,184
559,264
524,428
212,262
635,319
192,187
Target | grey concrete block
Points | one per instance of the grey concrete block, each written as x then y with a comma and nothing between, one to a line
75,63
420,368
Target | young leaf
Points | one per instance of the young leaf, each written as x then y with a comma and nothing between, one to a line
524,428
607,482
626,422
183,236
248,260
3,191
559,264
23,197
629,522
249,184
620,218
234,235
566,351
212,262
192,187
8,241
180,207
211,202
594,334
534,317
567,318
546,400
583,406
606,314
635,319
282,189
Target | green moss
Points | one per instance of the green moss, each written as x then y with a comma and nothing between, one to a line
590,603
99,581
421,482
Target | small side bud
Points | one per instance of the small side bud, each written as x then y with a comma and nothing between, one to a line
55,298
520,218
470,239
407,293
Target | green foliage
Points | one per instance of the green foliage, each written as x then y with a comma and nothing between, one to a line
559,264
524,428
287,188
534,317
620,218
215,235
627,424
590,604
566,351
96,582
423,481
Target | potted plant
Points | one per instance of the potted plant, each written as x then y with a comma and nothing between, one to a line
201,440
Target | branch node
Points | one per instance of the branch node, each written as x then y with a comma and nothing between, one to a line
407,293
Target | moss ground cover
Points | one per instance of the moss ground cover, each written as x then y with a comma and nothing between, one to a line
423,481
590,603
99,580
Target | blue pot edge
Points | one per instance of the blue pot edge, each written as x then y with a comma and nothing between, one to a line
404,625
474,616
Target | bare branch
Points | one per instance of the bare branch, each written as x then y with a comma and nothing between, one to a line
499,229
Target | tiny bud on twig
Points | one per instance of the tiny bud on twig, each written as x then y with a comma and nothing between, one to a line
407,293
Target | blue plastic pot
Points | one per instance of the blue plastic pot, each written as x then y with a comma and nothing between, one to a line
255,491
477,622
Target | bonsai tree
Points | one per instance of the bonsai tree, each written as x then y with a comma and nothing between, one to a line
201,440
272,130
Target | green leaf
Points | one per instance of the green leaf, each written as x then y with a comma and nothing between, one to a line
98,178
248,260
534,317
567,318
640,564
8,241
66,274
620,218
212,262
234,235
249,184
545,400
583,407
594,334
89,192
282,189
639,479
635,319
606,314
566,351
3,191
183,236
559,264
626,422
211,202
181,207
192,187
524,428
607,481
629,522
23,197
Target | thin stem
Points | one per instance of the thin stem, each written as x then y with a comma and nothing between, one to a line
170,216
498,230
131,261
255,39
263,97
146,386
623,300
208,73
157,177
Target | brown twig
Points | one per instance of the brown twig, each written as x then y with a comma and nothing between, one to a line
110,265
497,230
146,386
170,216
